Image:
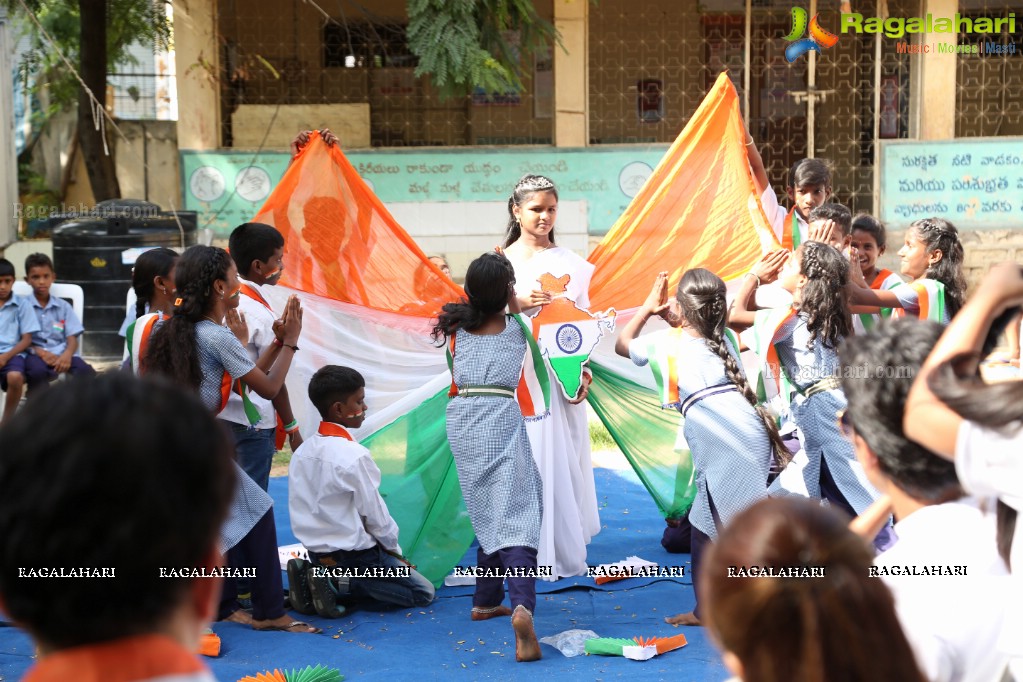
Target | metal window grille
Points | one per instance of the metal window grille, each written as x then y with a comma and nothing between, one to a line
296,52
989,85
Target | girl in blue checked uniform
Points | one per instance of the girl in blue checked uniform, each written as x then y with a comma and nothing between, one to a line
799,347
696,365
499,479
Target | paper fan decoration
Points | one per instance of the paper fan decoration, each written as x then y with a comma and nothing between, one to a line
637,648
309,674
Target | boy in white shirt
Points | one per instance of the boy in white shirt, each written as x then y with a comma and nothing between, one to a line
258,251
946,546
338,514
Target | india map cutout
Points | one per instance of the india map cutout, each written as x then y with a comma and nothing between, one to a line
567,334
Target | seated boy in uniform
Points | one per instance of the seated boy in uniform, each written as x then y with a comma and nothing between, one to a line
338,514
55,346
17,323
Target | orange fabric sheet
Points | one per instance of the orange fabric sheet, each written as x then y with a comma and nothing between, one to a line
341,243
698,209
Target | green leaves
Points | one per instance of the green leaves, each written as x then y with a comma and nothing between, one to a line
128,22
465,44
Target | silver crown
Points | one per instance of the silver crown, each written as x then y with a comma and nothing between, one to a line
535,183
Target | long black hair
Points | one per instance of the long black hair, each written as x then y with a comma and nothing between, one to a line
527,186
701,296
938,234
153,263
172,350
487,283
822,297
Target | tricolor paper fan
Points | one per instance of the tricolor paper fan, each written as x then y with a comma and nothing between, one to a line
309,674
637,648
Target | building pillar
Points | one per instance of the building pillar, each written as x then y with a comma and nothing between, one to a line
934,97
9,198
197,63
571,74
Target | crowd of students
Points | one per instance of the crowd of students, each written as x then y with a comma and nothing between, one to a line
905,573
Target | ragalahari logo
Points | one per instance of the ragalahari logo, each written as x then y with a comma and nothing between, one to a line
819,38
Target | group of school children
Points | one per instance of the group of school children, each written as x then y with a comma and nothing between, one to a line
204,321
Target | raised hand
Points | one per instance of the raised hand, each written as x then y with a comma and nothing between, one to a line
822,231
329,137
235,321
855,271
770,265
292,324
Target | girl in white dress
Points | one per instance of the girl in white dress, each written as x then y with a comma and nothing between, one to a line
561,441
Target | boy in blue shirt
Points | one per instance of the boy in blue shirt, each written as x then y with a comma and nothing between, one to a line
17,323
55,343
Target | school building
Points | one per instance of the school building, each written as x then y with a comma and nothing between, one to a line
914,123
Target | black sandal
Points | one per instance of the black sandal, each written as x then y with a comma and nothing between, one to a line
298,587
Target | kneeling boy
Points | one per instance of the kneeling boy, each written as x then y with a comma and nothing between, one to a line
337,512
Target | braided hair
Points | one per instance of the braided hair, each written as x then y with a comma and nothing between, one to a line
487,284
172,349
701,296
938,234
527,186
153,263
826,308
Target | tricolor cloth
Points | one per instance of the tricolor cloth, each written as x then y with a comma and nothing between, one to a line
359,275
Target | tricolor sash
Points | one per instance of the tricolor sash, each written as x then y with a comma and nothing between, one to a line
663,359
772,384
930,298
664,364
791,239
252,293
137,337
280,435
237,386
534,389
885,280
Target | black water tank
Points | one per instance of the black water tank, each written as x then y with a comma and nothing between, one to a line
87,251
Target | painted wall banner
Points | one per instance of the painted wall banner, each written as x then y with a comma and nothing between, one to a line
977,183
227,188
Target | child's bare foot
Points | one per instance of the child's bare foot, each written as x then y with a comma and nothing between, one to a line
683,619
240,616
486,613
526,646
